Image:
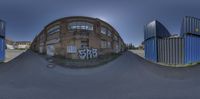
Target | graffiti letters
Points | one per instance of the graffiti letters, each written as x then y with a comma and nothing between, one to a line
88,53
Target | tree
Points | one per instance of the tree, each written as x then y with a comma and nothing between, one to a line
130,46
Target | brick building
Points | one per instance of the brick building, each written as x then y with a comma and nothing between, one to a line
78,37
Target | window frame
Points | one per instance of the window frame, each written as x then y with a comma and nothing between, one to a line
54,29
80,25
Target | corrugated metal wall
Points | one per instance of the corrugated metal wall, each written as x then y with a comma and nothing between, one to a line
2,41
2,29
2,49
182,50
150,30
171,51
151,49
155,29
192,48
190,25
161,31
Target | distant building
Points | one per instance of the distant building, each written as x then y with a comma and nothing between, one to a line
9,43
22,44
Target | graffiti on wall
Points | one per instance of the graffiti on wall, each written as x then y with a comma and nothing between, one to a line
88,53
50,50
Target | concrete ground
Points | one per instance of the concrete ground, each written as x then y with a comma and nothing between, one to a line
127,77
11,54
138,52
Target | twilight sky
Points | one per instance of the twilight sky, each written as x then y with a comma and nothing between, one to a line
26,18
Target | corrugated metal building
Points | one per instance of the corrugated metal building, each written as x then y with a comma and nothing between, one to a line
153,31
160,46
150,49
2,41
190,31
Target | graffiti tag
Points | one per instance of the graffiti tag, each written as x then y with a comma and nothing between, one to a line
88,53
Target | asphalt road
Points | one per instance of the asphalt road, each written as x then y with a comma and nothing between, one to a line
127,77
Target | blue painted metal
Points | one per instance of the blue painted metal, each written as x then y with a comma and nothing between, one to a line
2,49
151,49
186,50
190,30
155,29
2,41
152,32
191,49
190,25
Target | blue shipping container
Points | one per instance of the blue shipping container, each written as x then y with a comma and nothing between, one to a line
192,49
2,49
151,49
2,28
